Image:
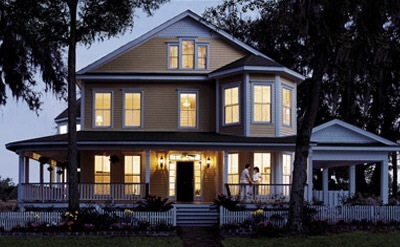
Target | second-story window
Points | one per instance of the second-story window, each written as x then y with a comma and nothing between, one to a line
188,109
231,105
173,56
188,54
132,109
102,109
262,103
287,107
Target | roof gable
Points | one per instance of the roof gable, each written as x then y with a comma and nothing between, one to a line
177,25
339,132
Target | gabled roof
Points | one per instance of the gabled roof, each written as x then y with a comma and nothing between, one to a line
337,132
255,63
165,25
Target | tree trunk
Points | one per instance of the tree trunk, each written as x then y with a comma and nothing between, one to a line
73,193
395,186
296,204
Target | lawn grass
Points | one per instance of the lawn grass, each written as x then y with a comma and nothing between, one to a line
342,240
87,241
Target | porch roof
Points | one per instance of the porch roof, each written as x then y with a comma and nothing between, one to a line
142,139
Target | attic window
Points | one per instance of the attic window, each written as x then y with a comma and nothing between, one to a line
188,54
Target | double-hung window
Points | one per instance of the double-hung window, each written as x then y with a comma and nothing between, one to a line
102,175
188,109
287,107
102,109
231,105
187,54
262,103
132,109
132,174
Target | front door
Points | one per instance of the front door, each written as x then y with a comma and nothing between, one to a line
184,181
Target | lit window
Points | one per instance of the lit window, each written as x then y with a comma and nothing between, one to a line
263,162
233,172
132,175
187,110
262,103
286,172
173,56
188,54
102,175
102,111
287,106
132,109
231,105
202,57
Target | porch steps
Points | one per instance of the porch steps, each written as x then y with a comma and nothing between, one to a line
196,215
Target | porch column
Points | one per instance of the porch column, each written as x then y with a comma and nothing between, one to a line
309,196
148,168
225,173
325,184
384,181
352,177
21,175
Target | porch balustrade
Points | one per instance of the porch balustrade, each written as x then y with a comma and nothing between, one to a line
259,192
58,192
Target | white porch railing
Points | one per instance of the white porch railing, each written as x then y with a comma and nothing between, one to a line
58,192
259,192
334,196
8,220
331,214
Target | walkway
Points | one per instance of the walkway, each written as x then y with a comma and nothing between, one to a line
199,236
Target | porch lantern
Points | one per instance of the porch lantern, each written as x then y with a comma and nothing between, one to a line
161,162
208,162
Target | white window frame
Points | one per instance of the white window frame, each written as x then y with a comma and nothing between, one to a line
268,84
195,57
283,107
226,87
188,91
124,92
94,108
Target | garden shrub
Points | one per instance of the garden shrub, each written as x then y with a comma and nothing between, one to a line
154,203
230,203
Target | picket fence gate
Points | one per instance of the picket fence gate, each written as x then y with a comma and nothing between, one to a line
331,214
8,220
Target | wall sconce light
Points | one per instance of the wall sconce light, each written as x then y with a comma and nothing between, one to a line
208,162
161,162
78,169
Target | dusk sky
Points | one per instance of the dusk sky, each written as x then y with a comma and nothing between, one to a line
17,122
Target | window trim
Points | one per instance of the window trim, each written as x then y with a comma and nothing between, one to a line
95,91
290,89
195,57
262,83
225,87
140,91
188,91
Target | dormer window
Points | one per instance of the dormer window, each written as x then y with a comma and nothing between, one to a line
187,54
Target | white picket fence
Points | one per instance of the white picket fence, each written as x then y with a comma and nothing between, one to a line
8,220
330,214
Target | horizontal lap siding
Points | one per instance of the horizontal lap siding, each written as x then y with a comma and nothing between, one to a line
160,102
151,56
265,130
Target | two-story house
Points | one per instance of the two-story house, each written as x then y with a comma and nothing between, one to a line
178,113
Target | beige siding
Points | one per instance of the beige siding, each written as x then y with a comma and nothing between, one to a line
87,167
160,105
151,56
267,130
158,178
